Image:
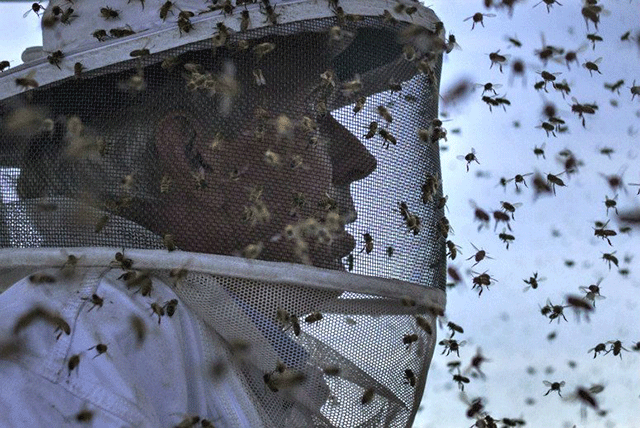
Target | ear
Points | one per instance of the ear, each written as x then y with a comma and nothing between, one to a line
176,134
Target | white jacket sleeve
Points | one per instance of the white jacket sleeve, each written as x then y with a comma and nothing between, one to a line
150,375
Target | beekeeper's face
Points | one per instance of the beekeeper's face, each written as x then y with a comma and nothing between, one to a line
246,191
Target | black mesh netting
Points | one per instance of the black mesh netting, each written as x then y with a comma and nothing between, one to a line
254,148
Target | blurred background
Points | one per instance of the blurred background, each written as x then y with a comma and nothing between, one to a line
520,347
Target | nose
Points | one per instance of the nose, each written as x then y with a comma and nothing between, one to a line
350,158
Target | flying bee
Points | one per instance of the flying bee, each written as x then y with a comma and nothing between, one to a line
510,208
139,328
387,137
488,87
548,3
170,307
263,49
35,8
579,305
359,105
539,151
408,339
506,238
41,278
634,89
165,9
497,59
500,216
614,87
157,309
453,250
519,179
382,111
479,18
563,87
4,64
592,66
593,38
548,128
40,313
73,363
410,377
616,348
611,203
452,345
554,180
469,157
533,282
555,312
368,243
424,324
610,258
55,58
100,348
460,380
600,347
482,280
479,256
95,300
109,13
553,386
548,77
454,328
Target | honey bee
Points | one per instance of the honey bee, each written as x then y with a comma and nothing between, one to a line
270,13
555,312
454,328
169,241
410,377
554,180
460,380
469,157
600,347
424,324
84,416
553,386
430,187
121,31
479,18
488,87
482,280
506,238
109,13
100,348
165,9
158,310
245,20
579,305
510,208
452,345
262,49
95,300
185,25
591,12
41,278
40,313
634,89
479,256
312,318
4,65
139,328
359,105
497,59
27,82
373,128
614,87
382,111
548,3
610,258
67,16
368,243
35,8
533,281
616,348
453,250
387,137
73,363
367,396
408,339
258,77
592,66
138,53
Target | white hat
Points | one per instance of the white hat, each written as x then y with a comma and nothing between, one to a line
75,29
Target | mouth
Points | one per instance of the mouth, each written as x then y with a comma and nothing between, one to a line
344,243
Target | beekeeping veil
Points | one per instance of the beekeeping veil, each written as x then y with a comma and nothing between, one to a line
281,153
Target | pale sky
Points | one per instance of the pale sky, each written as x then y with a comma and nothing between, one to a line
505,321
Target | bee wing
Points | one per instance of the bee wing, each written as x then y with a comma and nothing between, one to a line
466,19
489,15
546,383
461,157
598,61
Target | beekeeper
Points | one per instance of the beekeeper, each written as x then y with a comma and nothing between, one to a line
230,229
